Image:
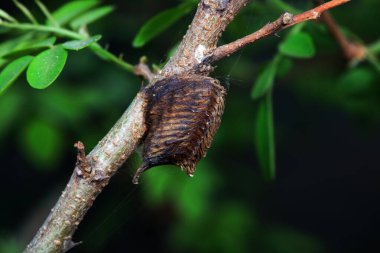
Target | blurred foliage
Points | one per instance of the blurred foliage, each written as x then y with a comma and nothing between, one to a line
221,208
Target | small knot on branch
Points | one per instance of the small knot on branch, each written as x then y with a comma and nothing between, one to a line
143,70
83,165
287,18
69,244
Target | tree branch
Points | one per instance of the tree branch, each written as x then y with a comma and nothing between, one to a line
56,232
93,172
210,20
351,50
284,21
143,70
87,182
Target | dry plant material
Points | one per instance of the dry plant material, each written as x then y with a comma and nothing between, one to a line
183,114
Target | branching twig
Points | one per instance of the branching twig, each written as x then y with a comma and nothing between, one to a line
351,50
284,21
143,70
103,53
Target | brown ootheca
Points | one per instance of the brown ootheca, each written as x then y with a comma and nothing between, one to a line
183,114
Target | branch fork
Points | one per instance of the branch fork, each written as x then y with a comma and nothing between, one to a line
284,21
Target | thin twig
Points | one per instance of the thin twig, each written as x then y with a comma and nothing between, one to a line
284,21
351,50
99,50
143,70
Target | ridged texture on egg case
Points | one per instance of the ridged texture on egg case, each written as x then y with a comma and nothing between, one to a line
183,114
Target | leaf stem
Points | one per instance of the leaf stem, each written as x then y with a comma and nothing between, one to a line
101,52
42,28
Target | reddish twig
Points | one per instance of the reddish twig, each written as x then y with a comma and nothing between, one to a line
284,21
351,50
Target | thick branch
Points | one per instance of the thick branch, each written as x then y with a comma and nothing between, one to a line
210,20
56,232
284,21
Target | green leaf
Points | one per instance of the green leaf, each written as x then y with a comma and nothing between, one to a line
91,16
264,81
284,66
264,137
374,61
160,23
6,16
10,106
80,44
46,67
298,45
41,143
10,244
29,47
10,73
9,45
287,240
71,10
284,6
374,48
356,82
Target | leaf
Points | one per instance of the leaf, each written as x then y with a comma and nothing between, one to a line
298,45
9,45
356,82
284,6
91,16
374,48
374,61
264,81
264,137
46,67
10,73
189,196
71,10
284,66
80,44
29,47
6,16
41,143
160,23
10,106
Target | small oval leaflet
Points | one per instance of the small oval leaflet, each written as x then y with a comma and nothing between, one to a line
80,44
46,67
298,45
10,73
